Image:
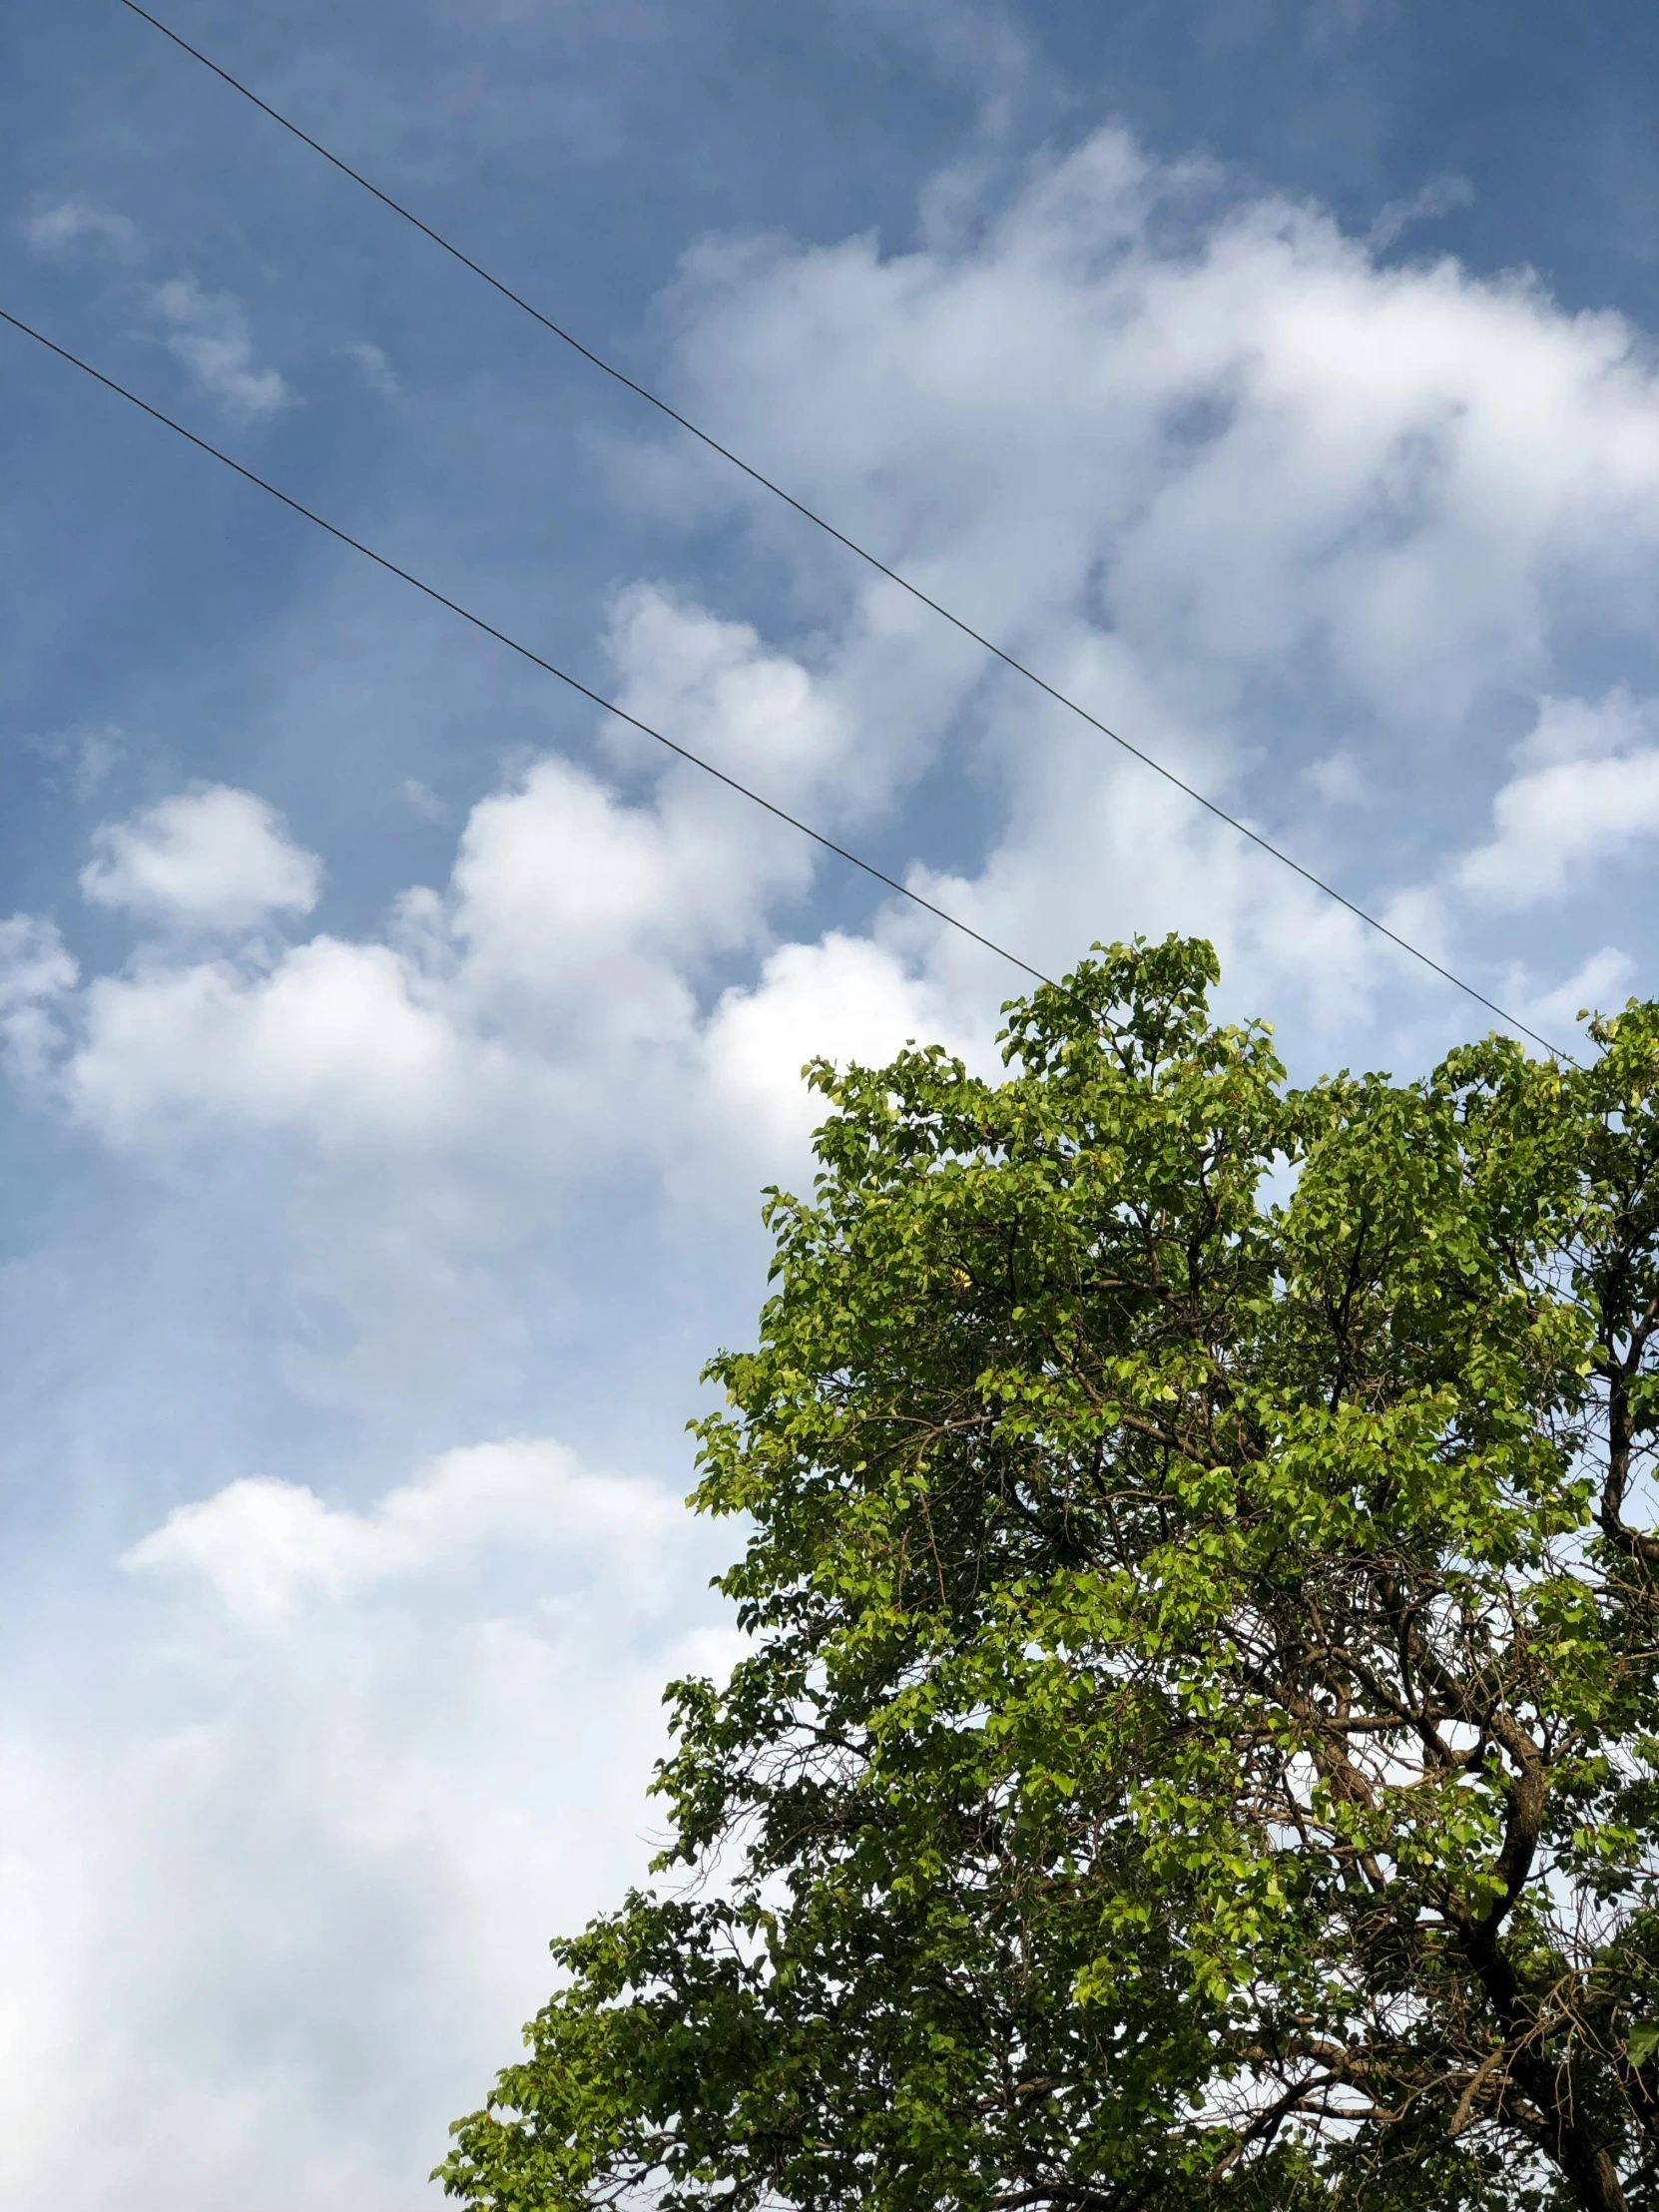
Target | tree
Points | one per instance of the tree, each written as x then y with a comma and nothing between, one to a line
1198,1739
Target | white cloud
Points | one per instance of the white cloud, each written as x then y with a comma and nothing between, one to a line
570,938
1587,791
1203,462
67,223
1228,436
422,800
1200,464
96,754
339,1040
1203,466
713,688
1339,781
36,970
268,1546
845,999
238,1894
209,858
1437,197
1602,982
372,367
207,335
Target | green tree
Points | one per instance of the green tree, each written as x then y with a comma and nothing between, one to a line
1197,1738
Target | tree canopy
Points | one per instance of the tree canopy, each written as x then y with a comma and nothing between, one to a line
1197,1737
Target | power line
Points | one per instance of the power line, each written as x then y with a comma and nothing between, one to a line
872,560
502,638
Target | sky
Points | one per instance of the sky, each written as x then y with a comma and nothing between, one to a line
396,1047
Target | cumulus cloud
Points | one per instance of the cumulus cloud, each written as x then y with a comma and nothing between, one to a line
235,1907
338,1040
266,1546
1223,436
1209,467
209,858
843,999
722,692
563,956
1217,473
209,336
1587,790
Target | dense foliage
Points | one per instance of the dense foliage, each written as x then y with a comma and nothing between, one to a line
1197,1740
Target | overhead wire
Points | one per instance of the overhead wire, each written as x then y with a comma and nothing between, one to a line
872,560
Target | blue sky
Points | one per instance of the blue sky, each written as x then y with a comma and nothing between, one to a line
394,1052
